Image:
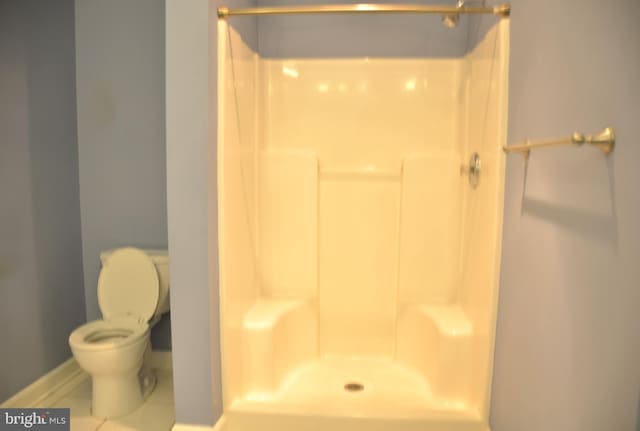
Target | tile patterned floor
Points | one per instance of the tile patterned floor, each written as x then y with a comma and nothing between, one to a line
156,414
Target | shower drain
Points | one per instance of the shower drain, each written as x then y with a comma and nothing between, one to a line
353,387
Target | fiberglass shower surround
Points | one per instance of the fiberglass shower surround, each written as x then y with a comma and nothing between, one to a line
358,266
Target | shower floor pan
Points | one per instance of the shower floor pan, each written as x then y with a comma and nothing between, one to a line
344,394
289,387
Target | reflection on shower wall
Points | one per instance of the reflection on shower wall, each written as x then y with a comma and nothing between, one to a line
352,248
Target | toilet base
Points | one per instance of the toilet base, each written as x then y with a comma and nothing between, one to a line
117,396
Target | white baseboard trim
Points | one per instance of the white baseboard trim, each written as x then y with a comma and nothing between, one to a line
63,376
45,386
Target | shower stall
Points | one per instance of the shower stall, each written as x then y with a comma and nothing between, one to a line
359,219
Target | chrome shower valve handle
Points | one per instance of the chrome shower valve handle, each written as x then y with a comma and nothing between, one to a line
473,169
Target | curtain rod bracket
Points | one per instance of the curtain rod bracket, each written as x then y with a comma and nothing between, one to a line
502,10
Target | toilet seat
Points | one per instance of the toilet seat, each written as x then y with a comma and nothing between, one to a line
128,285
100,335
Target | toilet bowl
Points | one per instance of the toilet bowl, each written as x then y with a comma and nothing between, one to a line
115,351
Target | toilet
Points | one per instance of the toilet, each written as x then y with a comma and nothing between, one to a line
133,293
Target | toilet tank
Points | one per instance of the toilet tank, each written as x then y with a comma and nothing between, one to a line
160,258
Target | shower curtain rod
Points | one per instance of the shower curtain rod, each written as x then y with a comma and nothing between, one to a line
502,10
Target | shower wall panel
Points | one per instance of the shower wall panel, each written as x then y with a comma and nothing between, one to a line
358,260
387,135
487,113
430,229
288,223
237,176
361,114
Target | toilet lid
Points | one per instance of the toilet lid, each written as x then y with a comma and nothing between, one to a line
128,285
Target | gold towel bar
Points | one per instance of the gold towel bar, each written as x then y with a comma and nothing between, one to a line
605,140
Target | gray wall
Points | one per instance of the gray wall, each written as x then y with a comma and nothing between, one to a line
568,349
385,35
187,41
191,194
41,291
120,56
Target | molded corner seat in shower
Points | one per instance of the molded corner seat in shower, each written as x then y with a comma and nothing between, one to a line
277,335
444,354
